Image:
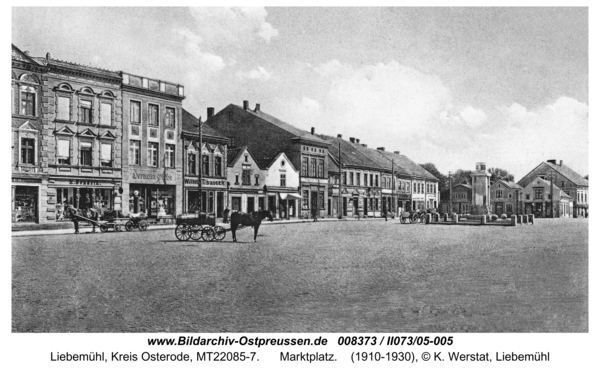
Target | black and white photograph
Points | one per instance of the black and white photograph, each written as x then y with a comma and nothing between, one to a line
371,172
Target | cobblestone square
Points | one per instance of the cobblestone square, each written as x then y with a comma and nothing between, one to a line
354,276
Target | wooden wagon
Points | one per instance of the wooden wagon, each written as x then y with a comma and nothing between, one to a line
198,227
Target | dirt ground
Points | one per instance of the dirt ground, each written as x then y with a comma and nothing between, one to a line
368,276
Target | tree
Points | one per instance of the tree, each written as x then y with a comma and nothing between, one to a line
500,174
443,180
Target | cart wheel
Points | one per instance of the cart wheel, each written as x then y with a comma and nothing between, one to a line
414,218
103,228
129,226
196,232
182,233
219,233
208,234
117,228
143,225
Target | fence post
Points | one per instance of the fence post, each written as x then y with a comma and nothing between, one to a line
513,220
483,219
531,218
455,218
428,219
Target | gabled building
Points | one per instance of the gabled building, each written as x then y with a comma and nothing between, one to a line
504,197
246,182
208,162
266,137
282,178
459,201
29,158
546,200
568,180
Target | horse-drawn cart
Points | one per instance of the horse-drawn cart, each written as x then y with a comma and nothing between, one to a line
198,227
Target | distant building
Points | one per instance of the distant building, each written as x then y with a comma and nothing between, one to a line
541,199
505,198
564,178
459,201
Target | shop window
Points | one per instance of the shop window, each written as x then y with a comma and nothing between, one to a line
134,112
218,166
28,101
25,201
64,152
63,108
170,118
153,114
305,199
134,152
246,177
282,180
170,155
85,111
106,114
152,154
205,165
106,155
85,154
28,151
191,164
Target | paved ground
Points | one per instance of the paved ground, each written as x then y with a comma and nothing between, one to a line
368,276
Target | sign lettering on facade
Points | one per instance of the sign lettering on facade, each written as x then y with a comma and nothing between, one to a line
159,177
209,182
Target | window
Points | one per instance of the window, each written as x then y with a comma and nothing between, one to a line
371,180
562,185
305,199
85,153
106,155
237,178
170,135
63,108
351,176
304,166
510,195
321,200
539,194
64,152
321,173
498,193
106,114
313,167
205,167
135,130
135,112
170,118
191,164
509,208
376,180
367,180
230,116
255,179
528,196
170,155
344,178
153,114
28,151
245,158
218,166
152,154
27,103
246,177
85,111
282,180
153,133
134,152
549,196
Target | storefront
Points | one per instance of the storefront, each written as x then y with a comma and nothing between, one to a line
25,201
153,192
212,200
99,194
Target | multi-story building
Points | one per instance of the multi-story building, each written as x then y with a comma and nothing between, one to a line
29,196
566,179
459,201
504,197
83,128
152,166
208,163
545,200
266,137
246,182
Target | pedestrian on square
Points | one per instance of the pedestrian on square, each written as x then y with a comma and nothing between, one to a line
385,213
226,215
314,213
73,214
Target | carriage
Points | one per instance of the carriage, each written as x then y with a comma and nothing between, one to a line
198,227
417,216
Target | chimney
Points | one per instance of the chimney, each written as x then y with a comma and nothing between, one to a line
560,163
397,152
210,111
48,56
551,162
381,148
340,136
245,105
357,141
364,145
352,140
257,108
312,130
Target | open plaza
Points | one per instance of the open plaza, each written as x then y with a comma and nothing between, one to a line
334,276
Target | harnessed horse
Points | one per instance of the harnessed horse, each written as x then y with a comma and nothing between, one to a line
82,214
253,219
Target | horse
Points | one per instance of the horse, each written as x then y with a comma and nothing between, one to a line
249,219
76,214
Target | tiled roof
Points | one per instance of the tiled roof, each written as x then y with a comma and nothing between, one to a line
409,166
351,155
232,154
569,173
510,184
190,125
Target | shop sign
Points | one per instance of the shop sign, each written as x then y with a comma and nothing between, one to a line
155,176
21,180
206,182
80,182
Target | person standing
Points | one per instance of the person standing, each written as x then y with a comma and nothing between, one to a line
314,213
74,219
385,212
226,215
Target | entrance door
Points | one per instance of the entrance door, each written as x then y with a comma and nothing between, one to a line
236,203
345,206
355,201
250,204
261,203
499,208
219,204
313,201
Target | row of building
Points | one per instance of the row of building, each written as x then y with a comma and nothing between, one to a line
91,137
551,189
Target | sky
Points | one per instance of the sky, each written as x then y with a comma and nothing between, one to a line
450,86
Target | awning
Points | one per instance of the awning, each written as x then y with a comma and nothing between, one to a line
290,196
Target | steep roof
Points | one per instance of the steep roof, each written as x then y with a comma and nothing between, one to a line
547,183
18,54
509,184
564,170
303,134
351,155
408,165
190,125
